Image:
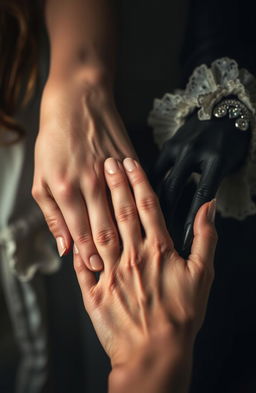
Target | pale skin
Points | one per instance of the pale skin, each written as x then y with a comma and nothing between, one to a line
79,127
149,303
143,281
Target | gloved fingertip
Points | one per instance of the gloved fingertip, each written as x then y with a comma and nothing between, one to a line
188,238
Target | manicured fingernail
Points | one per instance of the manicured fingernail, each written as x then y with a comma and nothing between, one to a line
96,262
75,249
61,246
129,164
211,211
111,166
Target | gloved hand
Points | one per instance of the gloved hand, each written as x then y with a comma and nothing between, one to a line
214,148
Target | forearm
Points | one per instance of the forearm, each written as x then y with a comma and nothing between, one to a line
82,37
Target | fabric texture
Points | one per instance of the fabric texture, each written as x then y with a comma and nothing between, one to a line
206,87
26,247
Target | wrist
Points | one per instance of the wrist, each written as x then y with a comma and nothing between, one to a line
93,76
91,87
161,367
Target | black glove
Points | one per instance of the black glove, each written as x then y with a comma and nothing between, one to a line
214,148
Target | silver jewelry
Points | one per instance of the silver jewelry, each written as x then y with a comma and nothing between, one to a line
235,110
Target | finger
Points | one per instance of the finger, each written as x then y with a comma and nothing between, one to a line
147,202
206,191
123,202
175,182
86,278
104,231
205,240
53,218
73,208
165,160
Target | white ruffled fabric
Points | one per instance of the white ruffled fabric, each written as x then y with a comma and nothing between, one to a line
206,87
28,246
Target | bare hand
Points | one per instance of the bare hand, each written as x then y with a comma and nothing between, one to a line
79,128
147,294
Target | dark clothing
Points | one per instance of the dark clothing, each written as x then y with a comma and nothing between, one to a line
225,349
218,28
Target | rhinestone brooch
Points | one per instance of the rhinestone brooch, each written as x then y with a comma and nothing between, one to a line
235,110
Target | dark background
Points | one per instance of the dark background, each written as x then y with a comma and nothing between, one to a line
151,39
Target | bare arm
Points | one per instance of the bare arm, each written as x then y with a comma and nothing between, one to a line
79,126
82,36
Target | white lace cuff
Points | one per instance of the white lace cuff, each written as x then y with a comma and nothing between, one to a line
206,87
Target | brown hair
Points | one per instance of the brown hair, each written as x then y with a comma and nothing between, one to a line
18,62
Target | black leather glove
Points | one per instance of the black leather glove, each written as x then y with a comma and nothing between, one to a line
214,148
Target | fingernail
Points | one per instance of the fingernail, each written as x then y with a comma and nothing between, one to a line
129,164
211,211
61,246
96,262
188,237
111,166
75,249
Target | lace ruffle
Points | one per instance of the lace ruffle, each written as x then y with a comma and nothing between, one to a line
28,246
206,87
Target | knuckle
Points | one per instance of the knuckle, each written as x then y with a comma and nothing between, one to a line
126,213
171,183
53,224
160,247
137,178
203,192
116,181
106,237
148,203
83,239
37,192
188,317
65,190
133,258
78,266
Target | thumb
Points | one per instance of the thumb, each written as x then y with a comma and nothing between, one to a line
205,235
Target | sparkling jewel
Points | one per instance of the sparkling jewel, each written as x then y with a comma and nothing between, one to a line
234,112
242,124
220,111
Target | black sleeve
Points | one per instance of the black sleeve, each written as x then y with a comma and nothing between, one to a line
218,28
